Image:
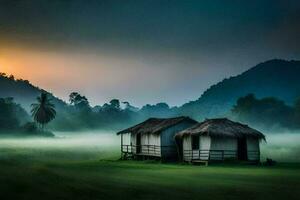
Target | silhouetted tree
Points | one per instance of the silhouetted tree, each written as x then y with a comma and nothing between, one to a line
79,101
158,110
43,111
112,106
130,107
115,103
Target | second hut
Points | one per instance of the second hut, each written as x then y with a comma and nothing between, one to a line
219,139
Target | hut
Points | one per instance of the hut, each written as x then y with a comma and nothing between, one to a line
153,138
218,140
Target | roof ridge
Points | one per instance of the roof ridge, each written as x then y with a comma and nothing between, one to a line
167,118
221,127
155,125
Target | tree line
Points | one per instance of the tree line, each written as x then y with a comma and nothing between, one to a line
115,114
268,113
265,113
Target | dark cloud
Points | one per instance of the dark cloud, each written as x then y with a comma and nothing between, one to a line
191,25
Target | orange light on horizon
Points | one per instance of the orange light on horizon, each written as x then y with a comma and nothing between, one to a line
9,67
92,73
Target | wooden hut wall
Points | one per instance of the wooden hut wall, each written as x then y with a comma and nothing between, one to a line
126,142
187,147
133,142
126,138
169,148
204,147
153,140
229,145
253,149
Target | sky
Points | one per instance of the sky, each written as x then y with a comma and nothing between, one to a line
142,51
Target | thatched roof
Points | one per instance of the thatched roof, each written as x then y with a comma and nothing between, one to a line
221,127
155,125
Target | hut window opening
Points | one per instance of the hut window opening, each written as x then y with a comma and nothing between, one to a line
195,142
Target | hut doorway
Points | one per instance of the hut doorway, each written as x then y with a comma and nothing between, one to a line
138,143
179,145
242,148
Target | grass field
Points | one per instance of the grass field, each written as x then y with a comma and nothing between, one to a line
88,168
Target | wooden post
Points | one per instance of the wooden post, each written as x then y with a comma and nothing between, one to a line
121,146
223,155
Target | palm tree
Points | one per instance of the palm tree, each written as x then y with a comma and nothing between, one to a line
43,111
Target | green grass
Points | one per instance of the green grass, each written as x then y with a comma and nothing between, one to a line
78,172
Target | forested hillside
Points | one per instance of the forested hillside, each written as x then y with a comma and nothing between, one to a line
23,92
274,78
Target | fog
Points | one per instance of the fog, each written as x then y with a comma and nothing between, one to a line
284,147
91,145
64,140
66,146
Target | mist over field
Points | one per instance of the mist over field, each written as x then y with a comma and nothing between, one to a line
282,147
100,145
65,146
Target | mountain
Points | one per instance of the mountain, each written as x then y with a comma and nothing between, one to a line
273,78
23,92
